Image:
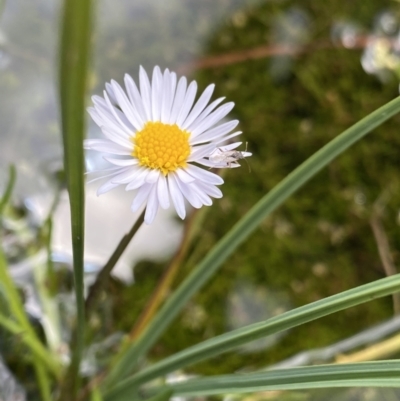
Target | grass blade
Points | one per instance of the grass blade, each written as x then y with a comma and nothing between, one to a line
12,175
33,344
366,374
74,56
240,232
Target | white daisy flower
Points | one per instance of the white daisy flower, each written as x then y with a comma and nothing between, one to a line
161,132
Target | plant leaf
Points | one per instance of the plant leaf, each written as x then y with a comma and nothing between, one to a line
366,374
12,175
74,56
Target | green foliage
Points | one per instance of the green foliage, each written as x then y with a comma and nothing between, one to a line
74,58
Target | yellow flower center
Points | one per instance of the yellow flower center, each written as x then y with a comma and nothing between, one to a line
161,146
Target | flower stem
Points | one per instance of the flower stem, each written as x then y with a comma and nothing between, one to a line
103,276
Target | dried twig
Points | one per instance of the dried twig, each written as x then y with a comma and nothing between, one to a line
382,243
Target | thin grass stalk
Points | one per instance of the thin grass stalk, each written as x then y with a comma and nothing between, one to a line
74,58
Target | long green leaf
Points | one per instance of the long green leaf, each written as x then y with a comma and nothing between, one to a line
12,175
235,338
240,232
367,374
23,327
74,57
33,344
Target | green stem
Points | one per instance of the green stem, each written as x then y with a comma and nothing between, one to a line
104,274
43,382
74,60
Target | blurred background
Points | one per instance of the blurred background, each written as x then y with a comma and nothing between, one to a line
299,72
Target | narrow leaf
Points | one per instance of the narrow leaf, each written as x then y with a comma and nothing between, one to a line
74,56
9,188
367,374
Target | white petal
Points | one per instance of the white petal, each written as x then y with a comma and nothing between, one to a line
156,98
96,99
207,163
172,82
199,106
178,101
110,91
95,116
152,206
187,103
204,114
125,143
123,124
225,138
145,92
204,198
216,132
127,107
106,146
184,176
141,196
211,164
122,162
110,112
167,97
213,118
109,119
231,146
108,186
138,180
189,194
134,96
103,170
176,195
209,189
127,176
162,192
204,175
115,171
153,176
201,151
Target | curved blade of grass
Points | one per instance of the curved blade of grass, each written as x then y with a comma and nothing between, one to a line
240,232
285,321
42,360
164,395
12,175
366,374
34,345
74,56
43,356
243,229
